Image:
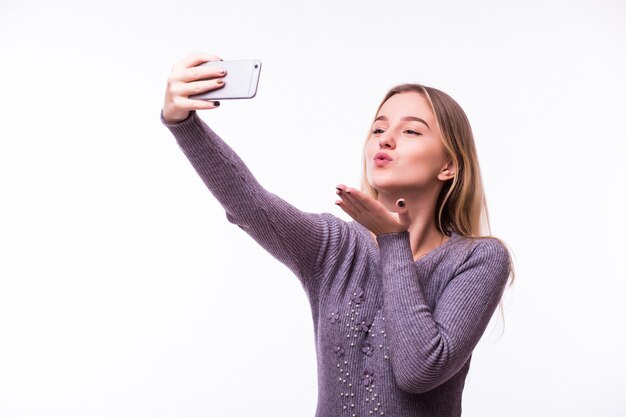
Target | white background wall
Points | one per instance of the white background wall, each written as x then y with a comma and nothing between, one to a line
124,291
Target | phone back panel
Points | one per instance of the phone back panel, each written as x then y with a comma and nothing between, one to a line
241,80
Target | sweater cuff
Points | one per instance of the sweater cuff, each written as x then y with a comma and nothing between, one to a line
395,247
192,134
192,114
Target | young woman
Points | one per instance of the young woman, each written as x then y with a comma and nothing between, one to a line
400,295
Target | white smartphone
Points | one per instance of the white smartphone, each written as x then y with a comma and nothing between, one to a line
241,80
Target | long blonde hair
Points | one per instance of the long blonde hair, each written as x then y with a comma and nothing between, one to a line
461,204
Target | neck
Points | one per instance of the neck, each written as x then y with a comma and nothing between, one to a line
424,235
424,239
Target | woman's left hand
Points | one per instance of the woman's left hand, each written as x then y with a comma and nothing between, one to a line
372,214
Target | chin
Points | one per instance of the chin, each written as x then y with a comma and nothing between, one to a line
381,186
381,180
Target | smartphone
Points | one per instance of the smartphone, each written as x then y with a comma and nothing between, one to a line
241,80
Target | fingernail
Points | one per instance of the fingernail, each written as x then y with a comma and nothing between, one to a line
216,103
401,203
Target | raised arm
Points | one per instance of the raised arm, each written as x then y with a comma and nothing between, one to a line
426,348
300,240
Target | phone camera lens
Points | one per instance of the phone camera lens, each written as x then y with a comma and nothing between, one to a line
256,66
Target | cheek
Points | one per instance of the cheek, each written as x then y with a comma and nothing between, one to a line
420,161
371,148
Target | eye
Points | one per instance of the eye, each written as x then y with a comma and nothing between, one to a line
408,130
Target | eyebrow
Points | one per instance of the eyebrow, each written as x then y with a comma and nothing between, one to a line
411,118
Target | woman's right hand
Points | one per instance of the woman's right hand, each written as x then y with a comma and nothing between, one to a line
183,82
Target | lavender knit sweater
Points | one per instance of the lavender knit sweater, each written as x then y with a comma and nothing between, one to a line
394,337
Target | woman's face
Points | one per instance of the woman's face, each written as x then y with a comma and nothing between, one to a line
415,146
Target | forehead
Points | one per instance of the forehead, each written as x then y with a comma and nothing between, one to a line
407,104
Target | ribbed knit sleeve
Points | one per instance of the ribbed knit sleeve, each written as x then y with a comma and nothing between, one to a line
298,239
426,348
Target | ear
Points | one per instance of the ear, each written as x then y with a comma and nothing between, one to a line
447,171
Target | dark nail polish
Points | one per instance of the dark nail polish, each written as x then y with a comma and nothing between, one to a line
216,103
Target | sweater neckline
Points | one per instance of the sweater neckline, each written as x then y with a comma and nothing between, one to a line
453,237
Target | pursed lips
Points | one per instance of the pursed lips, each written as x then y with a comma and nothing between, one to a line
382,156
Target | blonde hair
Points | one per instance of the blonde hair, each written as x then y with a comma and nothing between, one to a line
461,205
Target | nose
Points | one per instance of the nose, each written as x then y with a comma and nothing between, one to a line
386,140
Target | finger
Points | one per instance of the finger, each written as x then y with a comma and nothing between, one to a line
347,209
195,59
347,194
203,72
191,104
349,201
197,87
403,212
357,198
